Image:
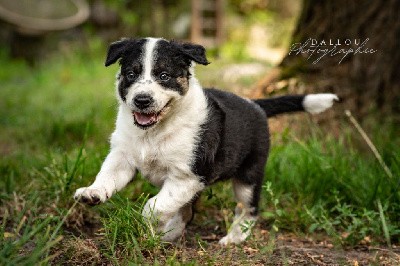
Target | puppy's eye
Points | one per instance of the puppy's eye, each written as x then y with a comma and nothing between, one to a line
164,76
130,76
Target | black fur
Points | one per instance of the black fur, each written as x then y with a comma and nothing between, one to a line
130,52
194,52
283,104
234,142
118,49
172,58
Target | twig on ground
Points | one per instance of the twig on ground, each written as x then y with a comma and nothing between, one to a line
369,143
385,250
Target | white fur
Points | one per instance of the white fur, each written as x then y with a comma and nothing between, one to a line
167,148
243,222
165,151
243,192
175,193
149,57
160,95
116,172
317,103
173,228
240,229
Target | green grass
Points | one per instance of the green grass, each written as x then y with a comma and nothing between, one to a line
325,184
55,123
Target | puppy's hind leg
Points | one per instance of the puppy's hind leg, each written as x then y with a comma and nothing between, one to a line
247,191
245,214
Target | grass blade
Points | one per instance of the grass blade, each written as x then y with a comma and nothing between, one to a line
384,224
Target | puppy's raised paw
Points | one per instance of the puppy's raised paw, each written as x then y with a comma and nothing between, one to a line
91,196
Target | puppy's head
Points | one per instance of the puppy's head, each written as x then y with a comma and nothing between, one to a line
154,75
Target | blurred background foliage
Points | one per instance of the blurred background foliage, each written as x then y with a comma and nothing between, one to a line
251,28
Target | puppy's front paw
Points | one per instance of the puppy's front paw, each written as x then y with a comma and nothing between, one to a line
152,212
149,210
91,196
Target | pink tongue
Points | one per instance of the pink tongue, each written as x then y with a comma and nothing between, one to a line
145,119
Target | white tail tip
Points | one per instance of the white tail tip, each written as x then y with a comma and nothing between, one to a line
317,103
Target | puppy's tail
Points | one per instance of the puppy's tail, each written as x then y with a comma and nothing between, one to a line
312,103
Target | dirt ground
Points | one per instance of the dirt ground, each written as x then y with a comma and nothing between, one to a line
285,249
199,246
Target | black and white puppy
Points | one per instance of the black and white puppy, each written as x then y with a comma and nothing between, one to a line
184,138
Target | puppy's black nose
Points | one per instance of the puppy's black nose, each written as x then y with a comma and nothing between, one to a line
142,101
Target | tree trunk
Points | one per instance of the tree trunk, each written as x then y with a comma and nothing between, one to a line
367,79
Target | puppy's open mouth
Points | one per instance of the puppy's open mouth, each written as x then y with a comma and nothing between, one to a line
146,120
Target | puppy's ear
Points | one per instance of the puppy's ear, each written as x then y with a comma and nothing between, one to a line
115,51
194,52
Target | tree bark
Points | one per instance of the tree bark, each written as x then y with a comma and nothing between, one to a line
367,82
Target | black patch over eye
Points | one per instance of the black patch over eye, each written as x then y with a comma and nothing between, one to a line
130,76
164,76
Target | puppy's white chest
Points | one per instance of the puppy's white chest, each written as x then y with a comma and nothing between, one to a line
167,150
158,160
150,162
